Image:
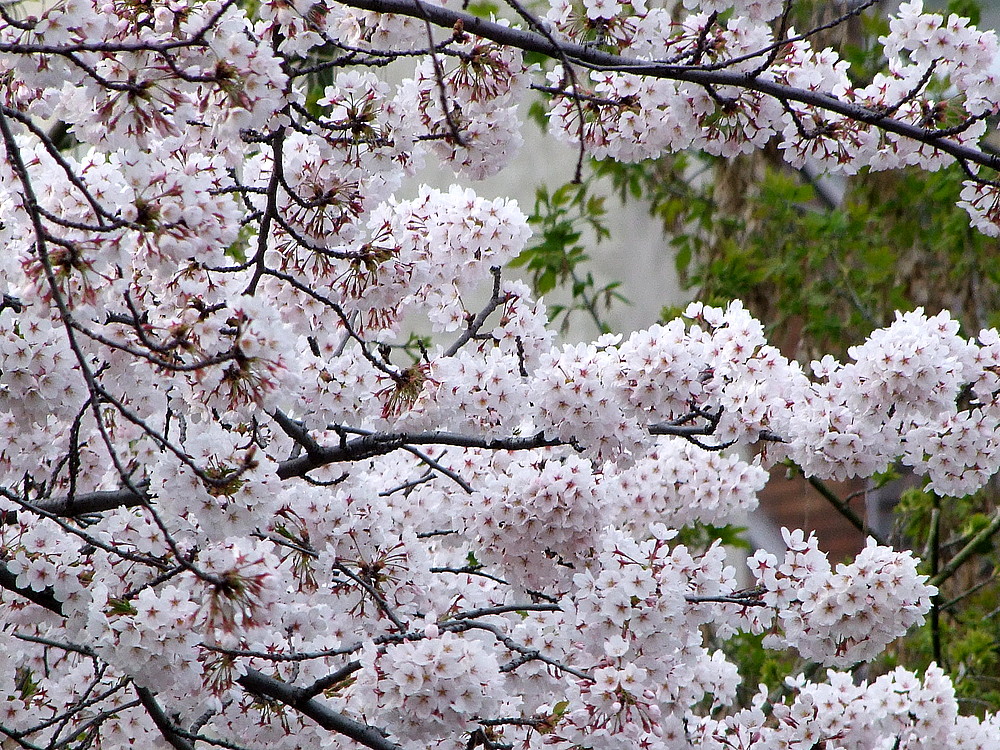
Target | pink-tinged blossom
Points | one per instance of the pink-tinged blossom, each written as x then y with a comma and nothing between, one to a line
268,411
845,616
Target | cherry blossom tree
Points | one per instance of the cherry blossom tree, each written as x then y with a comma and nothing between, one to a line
243,508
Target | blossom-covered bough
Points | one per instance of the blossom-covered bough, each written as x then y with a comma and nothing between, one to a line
241,509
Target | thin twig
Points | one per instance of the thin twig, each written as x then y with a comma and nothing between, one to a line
844,509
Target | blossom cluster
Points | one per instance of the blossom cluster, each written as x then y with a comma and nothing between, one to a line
287,458
896,709
469,110
941,75
843,617
634,623
434,685
139,96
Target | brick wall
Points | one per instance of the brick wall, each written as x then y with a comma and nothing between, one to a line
796,504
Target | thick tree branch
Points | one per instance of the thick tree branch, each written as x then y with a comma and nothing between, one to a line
300,700
332,679
162,721
364,446
45,598
368,445
88,502
593,57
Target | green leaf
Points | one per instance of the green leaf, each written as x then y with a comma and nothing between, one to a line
121,607
966,9
483,8
682,258
882,478
545,282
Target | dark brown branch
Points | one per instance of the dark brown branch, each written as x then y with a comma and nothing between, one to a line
436,466
85,503
365,445
843,508
525,654
594,58
45,598
332,680
472,614
270,211
300,700
749,599
162,721
296,432
378,444
476,323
